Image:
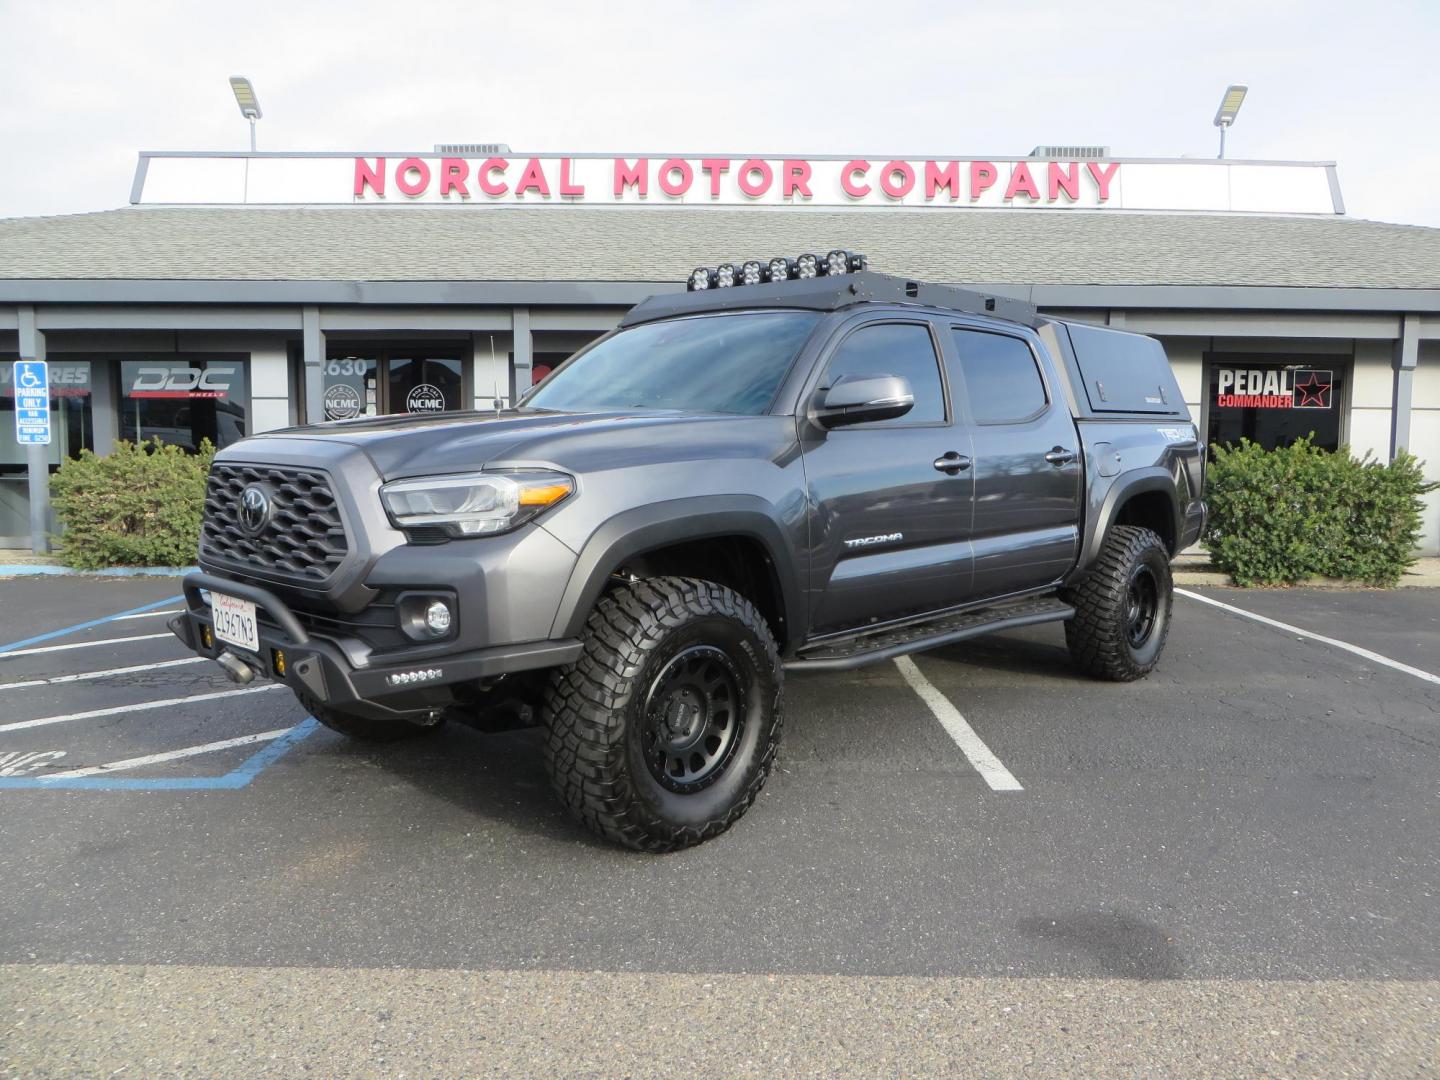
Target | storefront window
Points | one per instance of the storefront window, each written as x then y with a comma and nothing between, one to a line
72,425
72,429
424,384
351,387
183,402
1274,403
368,380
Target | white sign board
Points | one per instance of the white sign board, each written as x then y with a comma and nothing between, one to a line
32,402
737,180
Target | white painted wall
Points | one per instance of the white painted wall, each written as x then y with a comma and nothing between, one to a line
1425,436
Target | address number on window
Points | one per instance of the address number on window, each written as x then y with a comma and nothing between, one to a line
349,366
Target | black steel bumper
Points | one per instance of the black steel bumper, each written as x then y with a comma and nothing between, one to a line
322,669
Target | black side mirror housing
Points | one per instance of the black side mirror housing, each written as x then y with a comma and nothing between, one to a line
862,399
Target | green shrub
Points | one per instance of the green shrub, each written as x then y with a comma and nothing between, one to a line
139,506
1281,516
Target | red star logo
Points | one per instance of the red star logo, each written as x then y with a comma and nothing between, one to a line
1312,393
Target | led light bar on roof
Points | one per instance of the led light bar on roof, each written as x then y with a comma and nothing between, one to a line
772,271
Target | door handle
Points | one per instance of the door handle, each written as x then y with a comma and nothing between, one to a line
952,462
1060,456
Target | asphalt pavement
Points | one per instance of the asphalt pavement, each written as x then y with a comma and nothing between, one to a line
1242,847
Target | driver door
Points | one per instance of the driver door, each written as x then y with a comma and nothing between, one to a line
889,528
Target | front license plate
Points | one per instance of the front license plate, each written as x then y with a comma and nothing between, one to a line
234,621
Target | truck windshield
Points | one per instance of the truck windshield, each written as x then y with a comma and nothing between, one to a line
714,363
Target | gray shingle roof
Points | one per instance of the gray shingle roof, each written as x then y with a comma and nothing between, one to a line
419,243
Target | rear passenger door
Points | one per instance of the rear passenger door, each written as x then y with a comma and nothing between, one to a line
1027,468
889,500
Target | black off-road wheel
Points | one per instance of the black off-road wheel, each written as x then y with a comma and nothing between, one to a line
1122,607
664,731
366,728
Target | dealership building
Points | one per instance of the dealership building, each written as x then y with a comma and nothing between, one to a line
240,293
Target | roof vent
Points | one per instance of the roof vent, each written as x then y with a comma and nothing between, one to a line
1071,153
488,149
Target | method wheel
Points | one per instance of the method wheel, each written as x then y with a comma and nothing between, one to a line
1122,607
662,734
365,728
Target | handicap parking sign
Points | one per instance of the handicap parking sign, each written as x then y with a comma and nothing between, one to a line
32,402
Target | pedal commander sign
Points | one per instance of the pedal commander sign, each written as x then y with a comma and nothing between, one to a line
1274,388
860,181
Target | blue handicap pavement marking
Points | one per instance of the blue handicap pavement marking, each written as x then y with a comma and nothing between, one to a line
85,625
237,778
234,780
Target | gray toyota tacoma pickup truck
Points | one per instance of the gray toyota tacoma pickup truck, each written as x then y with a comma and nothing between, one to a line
799,464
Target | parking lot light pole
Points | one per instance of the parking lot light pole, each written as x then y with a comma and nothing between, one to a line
1229,109
248,102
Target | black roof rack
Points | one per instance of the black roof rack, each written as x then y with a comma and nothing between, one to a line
832,294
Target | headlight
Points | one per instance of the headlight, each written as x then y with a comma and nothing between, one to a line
474,504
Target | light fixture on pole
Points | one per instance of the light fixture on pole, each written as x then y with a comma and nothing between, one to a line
248,102
1229,107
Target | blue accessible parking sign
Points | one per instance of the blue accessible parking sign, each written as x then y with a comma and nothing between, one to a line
32,402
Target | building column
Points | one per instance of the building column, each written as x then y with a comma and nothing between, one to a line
312,345
523,345
37,458
1407,357
104,410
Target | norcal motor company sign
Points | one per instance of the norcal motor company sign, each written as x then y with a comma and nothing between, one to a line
734,180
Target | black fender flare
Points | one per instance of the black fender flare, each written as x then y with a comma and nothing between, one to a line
1126,486
646,528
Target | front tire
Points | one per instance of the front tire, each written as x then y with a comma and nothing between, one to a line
1122,607
664,731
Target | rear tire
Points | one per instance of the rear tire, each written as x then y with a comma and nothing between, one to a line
1122,607
664,731
366,728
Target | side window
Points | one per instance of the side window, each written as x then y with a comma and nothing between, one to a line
1002,380
903,349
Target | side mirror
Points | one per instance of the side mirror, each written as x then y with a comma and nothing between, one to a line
860,399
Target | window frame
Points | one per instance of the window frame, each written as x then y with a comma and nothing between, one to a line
843,333
1035,359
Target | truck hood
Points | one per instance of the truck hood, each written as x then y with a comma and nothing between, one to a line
401,446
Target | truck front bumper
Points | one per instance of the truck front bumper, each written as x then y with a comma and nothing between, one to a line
323,671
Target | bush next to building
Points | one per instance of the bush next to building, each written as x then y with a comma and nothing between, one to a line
1281,516
139,506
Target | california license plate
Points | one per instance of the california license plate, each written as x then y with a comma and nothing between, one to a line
234,621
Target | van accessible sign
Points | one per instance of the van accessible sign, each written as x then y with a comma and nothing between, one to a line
873,181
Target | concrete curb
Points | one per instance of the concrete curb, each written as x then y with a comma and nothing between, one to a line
48,570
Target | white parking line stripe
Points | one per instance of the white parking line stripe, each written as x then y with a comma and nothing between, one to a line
149,614
117,710
1374,657
971,745
84,644
102,674
168,755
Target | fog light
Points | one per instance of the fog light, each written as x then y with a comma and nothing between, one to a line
206,637
437,617
277,660
807,266
751,271
725,275
701,278
779,269
837,262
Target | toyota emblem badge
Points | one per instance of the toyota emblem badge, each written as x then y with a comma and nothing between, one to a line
254,509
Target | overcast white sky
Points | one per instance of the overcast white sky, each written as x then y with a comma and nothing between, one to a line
85,85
